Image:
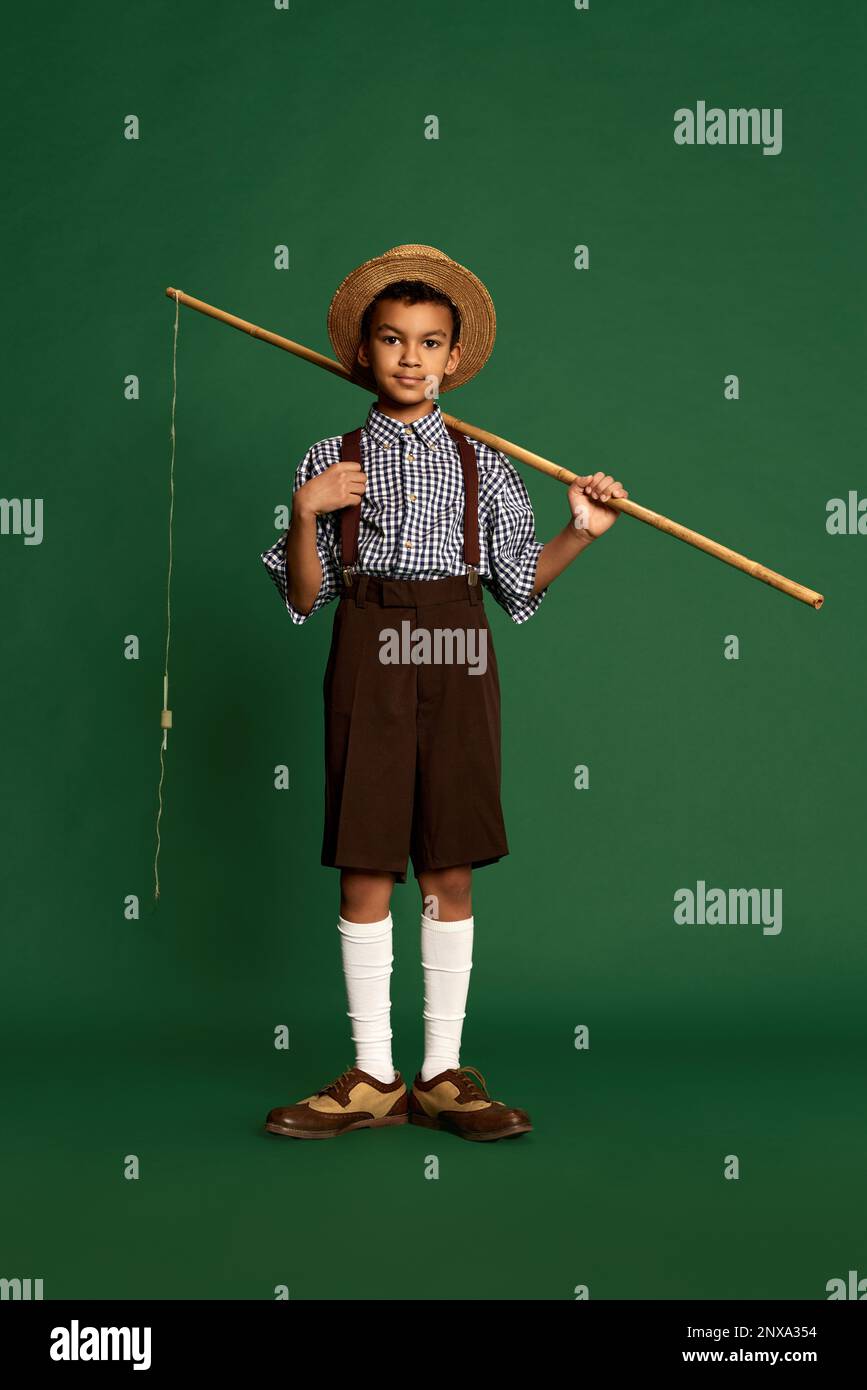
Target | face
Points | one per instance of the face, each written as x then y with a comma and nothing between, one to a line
409,345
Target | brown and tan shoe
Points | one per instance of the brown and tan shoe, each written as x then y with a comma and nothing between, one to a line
451,1100
354,1100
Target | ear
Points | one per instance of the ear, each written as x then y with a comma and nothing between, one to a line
454,359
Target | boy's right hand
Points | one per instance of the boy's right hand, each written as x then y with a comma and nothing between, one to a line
340,485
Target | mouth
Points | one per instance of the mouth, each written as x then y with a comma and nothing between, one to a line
409,380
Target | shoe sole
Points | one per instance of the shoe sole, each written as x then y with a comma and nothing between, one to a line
428,1122
336,1133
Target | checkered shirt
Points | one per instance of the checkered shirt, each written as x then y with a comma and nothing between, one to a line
412,511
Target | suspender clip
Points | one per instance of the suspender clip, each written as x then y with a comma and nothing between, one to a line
472,574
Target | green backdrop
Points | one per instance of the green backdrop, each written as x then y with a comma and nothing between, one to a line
155,1037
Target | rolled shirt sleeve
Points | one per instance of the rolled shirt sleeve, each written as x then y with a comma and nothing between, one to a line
513,550
274,558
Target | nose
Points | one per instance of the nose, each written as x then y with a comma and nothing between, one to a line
408,358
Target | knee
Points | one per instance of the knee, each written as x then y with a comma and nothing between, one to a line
365,897
451,891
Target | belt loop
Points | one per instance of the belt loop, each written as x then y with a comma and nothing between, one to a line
361,591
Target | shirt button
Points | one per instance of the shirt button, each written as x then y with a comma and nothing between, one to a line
412,497
409,458
408,429
408,545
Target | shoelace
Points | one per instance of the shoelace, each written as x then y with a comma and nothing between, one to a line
339,1087
475,1092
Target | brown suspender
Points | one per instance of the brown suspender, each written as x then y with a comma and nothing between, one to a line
350,517
350,452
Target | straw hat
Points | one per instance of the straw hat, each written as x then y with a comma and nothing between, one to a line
463,288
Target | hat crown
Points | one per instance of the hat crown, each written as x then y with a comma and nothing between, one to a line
411,249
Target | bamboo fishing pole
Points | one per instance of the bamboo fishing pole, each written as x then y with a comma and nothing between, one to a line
495,441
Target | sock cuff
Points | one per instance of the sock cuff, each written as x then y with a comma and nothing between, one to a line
434,924
363,929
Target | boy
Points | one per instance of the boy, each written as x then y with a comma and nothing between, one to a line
406,520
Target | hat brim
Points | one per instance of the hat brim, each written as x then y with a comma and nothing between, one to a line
476,308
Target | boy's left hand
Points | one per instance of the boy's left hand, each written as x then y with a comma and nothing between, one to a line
587,496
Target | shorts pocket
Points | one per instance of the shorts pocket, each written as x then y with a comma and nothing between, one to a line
344,659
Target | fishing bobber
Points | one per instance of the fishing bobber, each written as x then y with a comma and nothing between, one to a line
165,713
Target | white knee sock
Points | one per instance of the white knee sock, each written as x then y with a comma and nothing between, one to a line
366,952
446,957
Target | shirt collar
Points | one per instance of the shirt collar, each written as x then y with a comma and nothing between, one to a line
385,430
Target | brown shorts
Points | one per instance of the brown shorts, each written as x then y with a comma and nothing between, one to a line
412,748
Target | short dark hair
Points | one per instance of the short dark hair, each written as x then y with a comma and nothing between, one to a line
412,292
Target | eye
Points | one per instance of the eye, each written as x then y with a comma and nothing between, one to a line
433,342
389,338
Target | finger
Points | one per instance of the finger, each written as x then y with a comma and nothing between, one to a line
599,481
